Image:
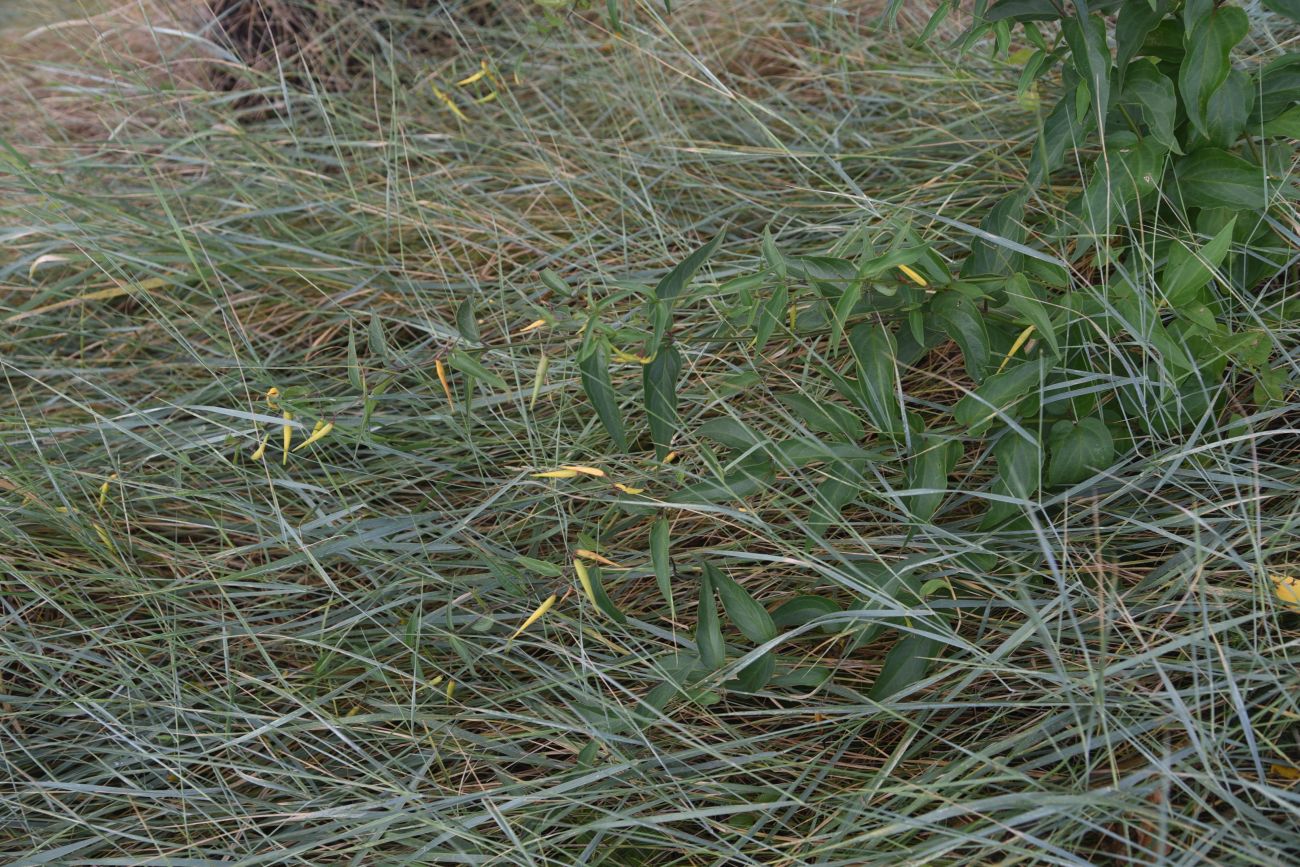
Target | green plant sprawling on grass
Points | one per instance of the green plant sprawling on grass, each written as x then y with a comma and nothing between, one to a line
579,433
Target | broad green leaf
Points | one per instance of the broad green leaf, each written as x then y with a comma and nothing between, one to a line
929,469
803,678
1286,124
772,256
1091,57
749,477
770,316
798,451
729,432
743,610
708,630
874,353
1228,108
1064,128
375,338
471,366
659,381
1023,299
1004,220
823,269
907,662
1211,178
1013,392
661,559
1079,450
603,602
1023,10
466,321
1150,95
541,567
1208,60
823,416
804,609
1020,463
958,316
1288,8
843,310
830,496
1276,87
1187,271
594,368
1137,18
354,365
756,675
675,281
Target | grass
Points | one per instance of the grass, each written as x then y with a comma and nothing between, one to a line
222,660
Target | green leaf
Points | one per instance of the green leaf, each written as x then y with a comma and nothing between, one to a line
661,560
470,366
675,281
729,432
756,675
1004,220
907,662
770,316
804,609
823,416
1013,392
1277,88
594,368
1023,10
466,323
843,310
659,381
541,567
874,353
1208,60
708,630
1063,128
803,678
1228,109
1023,299
928,469
354,365
1287,8
1286,124
1187,271
772,256
1020,463
1091,57
1137,18
958,316
1079,450
1211,178
749,477
1150,95
743,610
603,602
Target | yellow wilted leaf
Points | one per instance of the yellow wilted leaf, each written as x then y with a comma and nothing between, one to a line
446,386
592,555
261,450
532,326
586,471
103,490
556,474
532,618
1288,589
628,489
1015,347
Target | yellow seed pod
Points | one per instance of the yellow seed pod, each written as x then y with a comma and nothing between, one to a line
321,431
557,474
261,450
592,555
584,578
586,471
287,432
916,278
